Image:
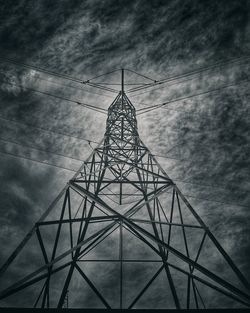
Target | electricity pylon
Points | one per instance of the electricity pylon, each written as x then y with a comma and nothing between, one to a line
122,235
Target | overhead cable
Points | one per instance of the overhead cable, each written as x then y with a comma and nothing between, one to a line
157,106
190,73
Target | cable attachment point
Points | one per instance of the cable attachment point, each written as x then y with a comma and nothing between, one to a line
89,142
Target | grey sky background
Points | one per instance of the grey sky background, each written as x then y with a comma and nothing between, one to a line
209,134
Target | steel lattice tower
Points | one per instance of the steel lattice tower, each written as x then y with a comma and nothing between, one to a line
121,209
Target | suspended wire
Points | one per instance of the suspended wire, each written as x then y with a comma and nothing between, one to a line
198,183
139,110
180,111
172,84
108,89
74,87
192,183
190,113
49,151
207,185
40,149
218,201
95,77
51,117
187,112
56,75
14,61
156,106
34,118
215,186
47,130
153,90
49,72
68,169
101,87
201,184
204,92
89,106
40,69
153,80
190,73
187,182
196,112
42,162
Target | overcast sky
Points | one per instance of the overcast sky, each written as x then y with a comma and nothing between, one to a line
209,134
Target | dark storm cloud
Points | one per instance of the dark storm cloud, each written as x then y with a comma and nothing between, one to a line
159,39
26,26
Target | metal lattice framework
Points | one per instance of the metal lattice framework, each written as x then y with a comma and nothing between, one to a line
121,209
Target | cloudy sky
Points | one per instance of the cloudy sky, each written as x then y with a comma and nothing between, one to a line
206,137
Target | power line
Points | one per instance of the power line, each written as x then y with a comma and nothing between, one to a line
33,116
218,201
144,76
77,159
40,69
96,142
74,87
50,117
200,114
76,137
156,106
42,162
95,77
204,92
172,84
64,76
201,184
70,157
171,109
46,130
100,87
53,74
190,73
153,90
89,106
47,151
59,154
68,169
39,149
192,183
183,111
96,108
